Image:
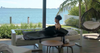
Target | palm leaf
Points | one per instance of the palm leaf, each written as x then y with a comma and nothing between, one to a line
66,4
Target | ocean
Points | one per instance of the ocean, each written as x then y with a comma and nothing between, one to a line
19,15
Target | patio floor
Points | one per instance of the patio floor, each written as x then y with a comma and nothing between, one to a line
88,46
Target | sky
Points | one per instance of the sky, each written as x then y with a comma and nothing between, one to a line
29,3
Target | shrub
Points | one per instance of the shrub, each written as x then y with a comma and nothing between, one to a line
5,29
39,24
72,22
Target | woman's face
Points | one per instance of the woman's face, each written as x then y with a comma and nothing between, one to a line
56,20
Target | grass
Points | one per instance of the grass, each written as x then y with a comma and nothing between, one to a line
64,26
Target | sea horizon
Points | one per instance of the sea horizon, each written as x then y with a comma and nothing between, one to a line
26,8
20,15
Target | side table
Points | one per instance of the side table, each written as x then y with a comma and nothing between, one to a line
52,43
70,44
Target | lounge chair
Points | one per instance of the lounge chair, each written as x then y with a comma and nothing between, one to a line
18,40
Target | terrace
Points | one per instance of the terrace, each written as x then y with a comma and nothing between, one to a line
88,46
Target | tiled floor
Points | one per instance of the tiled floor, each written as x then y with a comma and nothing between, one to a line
88,46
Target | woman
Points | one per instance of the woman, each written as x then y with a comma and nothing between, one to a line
57,19
50,31
55,30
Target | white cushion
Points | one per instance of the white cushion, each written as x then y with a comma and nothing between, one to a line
72,32
91,24
19,37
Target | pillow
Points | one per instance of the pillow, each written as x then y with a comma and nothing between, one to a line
19,37
91,24
72,32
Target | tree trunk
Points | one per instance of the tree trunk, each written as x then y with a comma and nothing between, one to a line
86,5
79,14
86,8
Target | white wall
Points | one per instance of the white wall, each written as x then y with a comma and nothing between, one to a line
69,16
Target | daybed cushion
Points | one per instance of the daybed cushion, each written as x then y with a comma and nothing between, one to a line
91,24
20,41
72,35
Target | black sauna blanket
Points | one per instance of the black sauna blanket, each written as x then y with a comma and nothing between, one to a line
49,32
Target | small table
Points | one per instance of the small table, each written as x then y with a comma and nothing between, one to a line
52,43
70,44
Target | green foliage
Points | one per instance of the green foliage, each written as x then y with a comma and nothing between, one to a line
94,4
67,4
72,22
39,24
75,10
5,29
31,25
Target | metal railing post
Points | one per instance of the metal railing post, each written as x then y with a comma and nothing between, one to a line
10,20
28,20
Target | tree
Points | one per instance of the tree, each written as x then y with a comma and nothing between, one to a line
75,10
86,2
94,4
67,4
80,13
70,3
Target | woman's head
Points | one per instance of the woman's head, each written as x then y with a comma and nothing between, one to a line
58,18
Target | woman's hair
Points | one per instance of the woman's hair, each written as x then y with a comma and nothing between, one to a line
58,17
